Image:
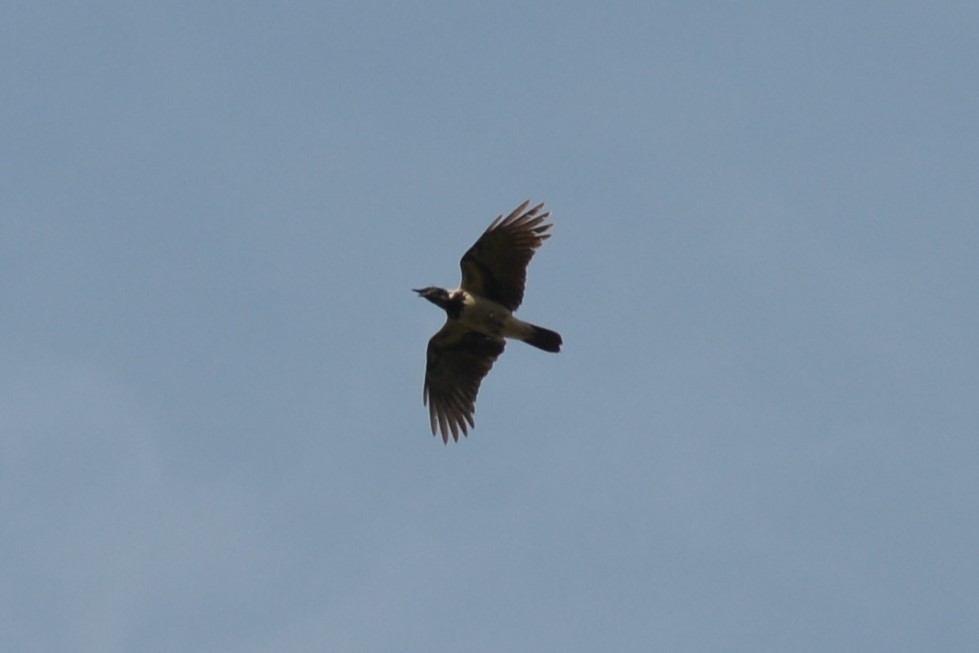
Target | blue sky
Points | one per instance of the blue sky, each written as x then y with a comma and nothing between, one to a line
761,434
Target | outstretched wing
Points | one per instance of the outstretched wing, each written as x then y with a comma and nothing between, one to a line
495,267
458,359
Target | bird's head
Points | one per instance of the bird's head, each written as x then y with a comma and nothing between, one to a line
432,293
438,296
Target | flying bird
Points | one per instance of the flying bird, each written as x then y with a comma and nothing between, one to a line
479,316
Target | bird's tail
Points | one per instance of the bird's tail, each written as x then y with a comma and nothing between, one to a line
543,338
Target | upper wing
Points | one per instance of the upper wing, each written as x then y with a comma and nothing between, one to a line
458,359
496,266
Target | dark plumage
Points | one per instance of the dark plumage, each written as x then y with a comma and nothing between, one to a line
479,316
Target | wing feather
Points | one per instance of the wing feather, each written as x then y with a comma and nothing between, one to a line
458,360
495,266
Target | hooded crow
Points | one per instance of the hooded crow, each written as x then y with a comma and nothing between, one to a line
480,316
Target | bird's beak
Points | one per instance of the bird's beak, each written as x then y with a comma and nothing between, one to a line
416,290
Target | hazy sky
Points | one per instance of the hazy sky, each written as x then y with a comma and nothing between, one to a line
762,433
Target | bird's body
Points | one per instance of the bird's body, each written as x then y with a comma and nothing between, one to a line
484,315
479,317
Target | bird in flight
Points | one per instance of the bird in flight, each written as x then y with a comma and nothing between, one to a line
480,316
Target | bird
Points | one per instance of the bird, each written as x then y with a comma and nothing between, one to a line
479,318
